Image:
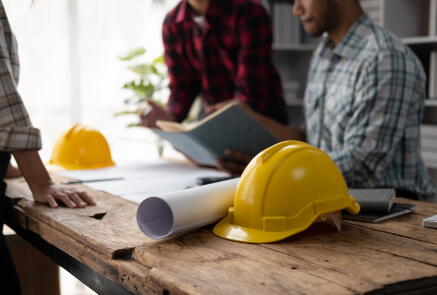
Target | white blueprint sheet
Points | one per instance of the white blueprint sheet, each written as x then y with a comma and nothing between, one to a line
142,179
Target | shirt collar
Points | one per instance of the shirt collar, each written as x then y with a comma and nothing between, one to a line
184,12
214,8
349,44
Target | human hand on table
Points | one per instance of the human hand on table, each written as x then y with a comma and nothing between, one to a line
44,190
235,166
52,193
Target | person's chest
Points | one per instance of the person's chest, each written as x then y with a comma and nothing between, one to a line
329,99
217,44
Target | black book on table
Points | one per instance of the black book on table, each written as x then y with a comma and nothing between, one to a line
377,205
374,199
397,209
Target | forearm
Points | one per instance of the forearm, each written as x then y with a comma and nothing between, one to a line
32,168
362,165
44,190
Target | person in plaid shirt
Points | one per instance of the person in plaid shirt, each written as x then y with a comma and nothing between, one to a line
20,138
220,50
364,101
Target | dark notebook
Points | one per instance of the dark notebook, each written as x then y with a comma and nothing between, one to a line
228,128
396,210
374,200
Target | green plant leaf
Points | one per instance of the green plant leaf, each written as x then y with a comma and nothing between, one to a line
126,113
141,89
133,53
135,125
143,69
133,100
159,59
151,78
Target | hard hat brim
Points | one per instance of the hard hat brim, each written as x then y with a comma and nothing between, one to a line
225,229
69,166
233,232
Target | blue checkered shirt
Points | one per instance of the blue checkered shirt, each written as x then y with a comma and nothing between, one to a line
364,103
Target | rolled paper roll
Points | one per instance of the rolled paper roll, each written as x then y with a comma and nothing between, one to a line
163,215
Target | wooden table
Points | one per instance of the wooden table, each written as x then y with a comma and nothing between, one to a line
103,246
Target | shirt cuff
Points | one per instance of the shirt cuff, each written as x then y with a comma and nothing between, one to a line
20,138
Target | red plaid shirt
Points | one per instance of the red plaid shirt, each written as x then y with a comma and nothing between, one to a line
231,58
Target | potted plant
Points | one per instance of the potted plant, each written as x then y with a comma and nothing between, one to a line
150,82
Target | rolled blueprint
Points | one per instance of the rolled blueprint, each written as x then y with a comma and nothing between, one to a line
163,215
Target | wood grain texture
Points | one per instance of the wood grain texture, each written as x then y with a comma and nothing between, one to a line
409,225
109,227
394,256
256,268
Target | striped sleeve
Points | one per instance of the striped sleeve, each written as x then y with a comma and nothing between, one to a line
16,130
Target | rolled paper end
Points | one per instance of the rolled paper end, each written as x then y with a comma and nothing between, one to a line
161,216
155,218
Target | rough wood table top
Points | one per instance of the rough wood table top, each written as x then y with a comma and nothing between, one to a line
393,256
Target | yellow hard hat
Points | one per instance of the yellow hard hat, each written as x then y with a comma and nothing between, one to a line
282,191
81,147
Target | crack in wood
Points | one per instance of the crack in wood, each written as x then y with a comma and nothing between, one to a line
98,216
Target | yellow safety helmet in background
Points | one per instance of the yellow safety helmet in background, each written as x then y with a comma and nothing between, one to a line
81,147
282,191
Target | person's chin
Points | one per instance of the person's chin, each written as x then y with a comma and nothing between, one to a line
314,32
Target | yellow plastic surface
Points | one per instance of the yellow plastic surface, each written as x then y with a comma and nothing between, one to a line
81,147
282,191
